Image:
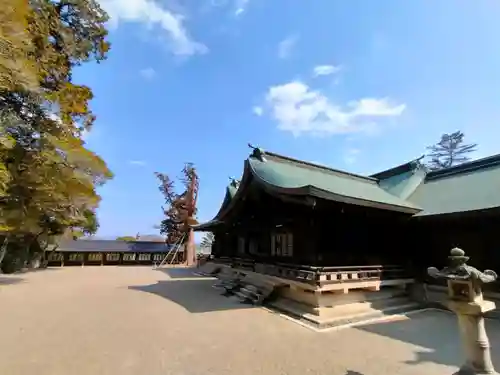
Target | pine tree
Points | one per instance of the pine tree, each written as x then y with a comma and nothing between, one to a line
449,151
179,207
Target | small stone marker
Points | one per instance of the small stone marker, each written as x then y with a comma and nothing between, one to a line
465,298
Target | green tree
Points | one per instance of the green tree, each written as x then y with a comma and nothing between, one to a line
180,208
47,176
17,67
449,151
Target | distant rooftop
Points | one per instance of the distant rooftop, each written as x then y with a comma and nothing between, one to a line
105,246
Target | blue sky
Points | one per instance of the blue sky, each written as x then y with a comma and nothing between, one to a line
357,85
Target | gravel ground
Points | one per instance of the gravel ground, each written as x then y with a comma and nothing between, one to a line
135,320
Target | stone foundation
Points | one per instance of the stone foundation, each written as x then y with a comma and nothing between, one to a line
324,303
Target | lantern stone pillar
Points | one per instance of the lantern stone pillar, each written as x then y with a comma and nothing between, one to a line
465,299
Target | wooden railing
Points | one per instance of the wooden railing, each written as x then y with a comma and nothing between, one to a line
320,275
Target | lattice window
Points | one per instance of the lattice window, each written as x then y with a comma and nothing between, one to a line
129,257
282,244
113,257
158,257
144,257
76,257
95,257
55,257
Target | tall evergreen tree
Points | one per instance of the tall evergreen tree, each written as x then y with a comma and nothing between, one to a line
449,151
179,207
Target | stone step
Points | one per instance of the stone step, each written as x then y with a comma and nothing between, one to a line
359,319
241,295
326,320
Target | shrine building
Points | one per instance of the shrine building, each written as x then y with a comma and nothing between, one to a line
332,242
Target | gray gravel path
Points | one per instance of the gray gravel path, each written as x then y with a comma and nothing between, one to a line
135,320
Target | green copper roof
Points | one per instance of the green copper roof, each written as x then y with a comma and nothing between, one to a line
296,177
407,188
468,187
402,180
231,190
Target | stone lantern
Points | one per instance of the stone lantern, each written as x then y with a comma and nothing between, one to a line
465,298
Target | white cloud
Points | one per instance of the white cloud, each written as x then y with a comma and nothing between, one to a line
285,47
241,7
138,163
147,73
299,110
376,107
150,13
325,70
351,156
257,110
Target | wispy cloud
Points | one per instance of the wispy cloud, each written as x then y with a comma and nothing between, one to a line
147,73
257,110
325,70
300,110
285,47
241,7
351,156
138,163
150,13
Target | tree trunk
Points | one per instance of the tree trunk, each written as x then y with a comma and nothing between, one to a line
3,249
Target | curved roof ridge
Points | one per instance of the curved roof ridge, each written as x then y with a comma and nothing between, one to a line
318,166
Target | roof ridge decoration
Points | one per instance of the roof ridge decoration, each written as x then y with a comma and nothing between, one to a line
412,165
234,182
257,153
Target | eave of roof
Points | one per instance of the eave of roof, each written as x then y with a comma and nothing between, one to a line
207,226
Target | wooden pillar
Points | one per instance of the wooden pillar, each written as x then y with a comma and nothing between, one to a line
311,240
189,249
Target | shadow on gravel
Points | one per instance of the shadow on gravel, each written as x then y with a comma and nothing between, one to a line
178,273
10,280
437,333
195,295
